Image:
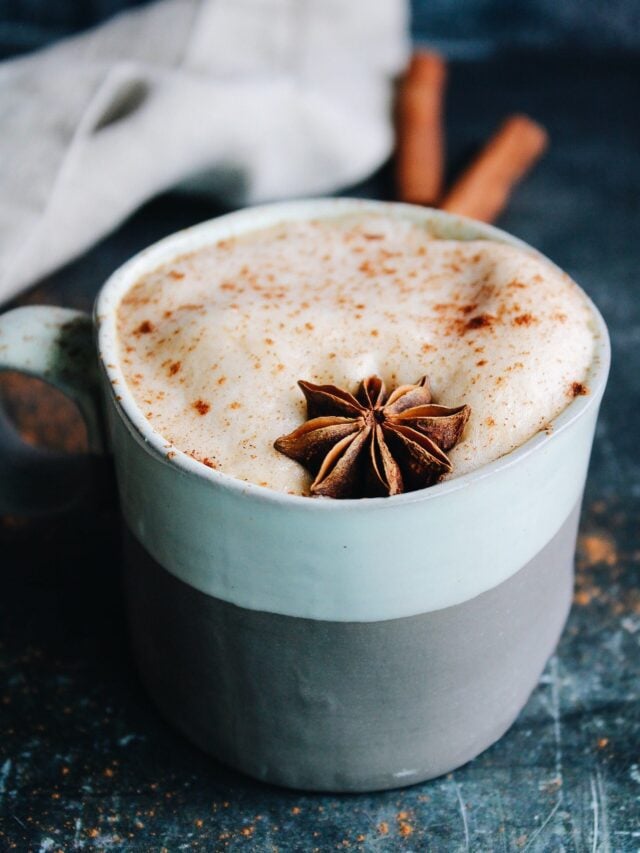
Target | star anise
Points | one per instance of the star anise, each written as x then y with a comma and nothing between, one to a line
371,444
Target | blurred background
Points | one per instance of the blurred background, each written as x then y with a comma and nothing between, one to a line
84,760
464,29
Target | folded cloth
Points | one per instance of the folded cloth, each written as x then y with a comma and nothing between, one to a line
251,100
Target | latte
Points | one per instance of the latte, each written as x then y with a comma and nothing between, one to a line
214,343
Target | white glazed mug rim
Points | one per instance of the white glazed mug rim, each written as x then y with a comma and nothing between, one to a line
247,220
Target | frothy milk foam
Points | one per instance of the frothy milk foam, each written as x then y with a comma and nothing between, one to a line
213,344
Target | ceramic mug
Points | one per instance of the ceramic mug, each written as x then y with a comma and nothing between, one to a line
328,645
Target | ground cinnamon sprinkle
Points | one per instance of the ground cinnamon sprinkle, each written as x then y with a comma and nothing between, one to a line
404,827
190,306
598,548
480,321
144,328
578,389
449,319
524,320
201,407
176,275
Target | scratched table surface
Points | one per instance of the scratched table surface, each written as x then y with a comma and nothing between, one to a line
85,760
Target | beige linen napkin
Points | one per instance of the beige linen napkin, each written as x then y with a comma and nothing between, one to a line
248,99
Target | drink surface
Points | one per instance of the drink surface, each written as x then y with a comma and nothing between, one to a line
213,343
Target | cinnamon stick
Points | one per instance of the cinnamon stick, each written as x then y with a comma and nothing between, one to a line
420,135
483,190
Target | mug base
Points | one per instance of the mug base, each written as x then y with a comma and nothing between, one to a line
347,706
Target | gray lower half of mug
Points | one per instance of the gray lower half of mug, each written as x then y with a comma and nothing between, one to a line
347,706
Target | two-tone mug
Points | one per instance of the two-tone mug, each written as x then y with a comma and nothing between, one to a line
329,645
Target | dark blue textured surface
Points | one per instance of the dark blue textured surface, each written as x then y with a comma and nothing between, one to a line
86,763
474,26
